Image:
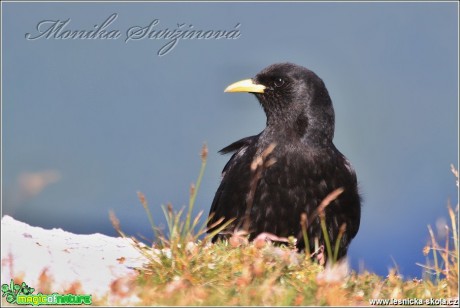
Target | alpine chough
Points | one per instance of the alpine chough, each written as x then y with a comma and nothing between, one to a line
280,182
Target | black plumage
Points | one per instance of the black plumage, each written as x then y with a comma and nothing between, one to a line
302,168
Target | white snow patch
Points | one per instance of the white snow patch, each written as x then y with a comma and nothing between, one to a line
89,259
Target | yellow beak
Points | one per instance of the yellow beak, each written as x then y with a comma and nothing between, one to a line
246,85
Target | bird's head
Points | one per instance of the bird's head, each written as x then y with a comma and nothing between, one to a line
294,99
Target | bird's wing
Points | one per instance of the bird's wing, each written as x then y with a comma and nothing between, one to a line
352,197
239,148
237,145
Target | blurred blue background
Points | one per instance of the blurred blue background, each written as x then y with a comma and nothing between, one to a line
88,123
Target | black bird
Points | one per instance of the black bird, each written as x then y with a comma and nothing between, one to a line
275,181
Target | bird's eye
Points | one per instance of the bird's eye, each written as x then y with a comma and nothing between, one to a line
279,82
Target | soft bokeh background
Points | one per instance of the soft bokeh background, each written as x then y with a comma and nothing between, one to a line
88,123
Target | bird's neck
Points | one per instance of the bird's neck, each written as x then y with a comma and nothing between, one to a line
311,131
288,134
